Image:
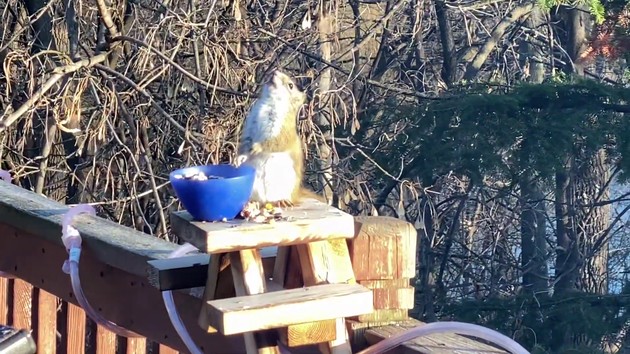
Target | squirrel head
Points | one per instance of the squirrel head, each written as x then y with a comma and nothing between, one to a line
282,85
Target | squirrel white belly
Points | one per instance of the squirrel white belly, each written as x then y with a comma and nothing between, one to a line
270,143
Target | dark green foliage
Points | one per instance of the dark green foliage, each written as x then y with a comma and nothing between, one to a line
589,317
497,133
482,133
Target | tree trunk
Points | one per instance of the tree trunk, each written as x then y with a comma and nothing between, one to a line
591,187
449,64
582,250
324,117
533,227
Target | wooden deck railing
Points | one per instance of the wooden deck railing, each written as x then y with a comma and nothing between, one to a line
120,283
114,273
62,327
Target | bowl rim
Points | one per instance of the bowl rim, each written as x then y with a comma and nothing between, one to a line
244,175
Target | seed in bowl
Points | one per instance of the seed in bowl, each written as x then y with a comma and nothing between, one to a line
197,176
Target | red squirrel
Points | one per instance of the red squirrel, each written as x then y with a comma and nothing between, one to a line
270,143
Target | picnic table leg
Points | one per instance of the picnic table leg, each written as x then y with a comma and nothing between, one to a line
249,279
328,262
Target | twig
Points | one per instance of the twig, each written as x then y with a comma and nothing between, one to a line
373,30
181,69
58,74
106,16
345,72
151,100
144,149
128,199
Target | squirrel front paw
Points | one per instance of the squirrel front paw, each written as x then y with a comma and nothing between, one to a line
240,159
285,203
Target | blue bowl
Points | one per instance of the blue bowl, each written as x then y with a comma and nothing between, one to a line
214,199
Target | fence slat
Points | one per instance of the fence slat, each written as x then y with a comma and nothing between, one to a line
105,341
47,323
22,304
4,300
76,329
136,345
167,350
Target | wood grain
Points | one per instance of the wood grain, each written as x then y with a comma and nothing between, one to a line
391,294
384,248
167,350
22,303
4,299
249,280
75,329
278,309
329,262
105,341
385,315
312,221
136,346
47,322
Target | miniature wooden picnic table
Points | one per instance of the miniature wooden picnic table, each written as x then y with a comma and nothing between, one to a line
312,244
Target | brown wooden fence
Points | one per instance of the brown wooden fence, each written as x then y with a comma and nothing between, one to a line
61,327
114,276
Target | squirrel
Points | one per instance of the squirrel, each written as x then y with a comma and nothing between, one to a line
270,143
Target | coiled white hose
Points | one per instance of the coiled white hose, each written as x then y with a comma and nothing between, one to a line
72,241
469,329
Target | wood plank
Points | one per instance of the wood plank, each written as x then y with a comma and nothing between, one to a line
22,304
325,262
167,350
385,315
219,283
249,280
47,322
278,309
394,298
386,283
431,344
309,333
4,299
192,271
105,341
384,248
178,273
328,262
312,221
113,244
391,294
281,265
75,329
356,332
303,333
136,346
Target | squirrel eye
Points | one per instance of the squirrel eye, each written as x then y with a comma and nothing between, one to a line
290,86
